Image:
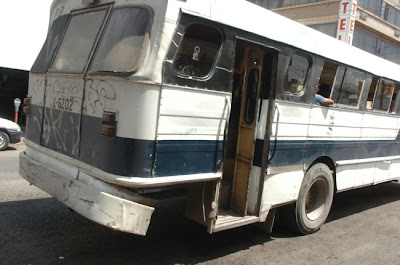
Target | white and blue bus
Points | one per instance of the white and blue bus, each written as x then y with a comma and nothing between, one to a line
135,101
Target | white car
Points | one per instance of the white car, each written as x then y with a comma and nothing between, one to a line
10,132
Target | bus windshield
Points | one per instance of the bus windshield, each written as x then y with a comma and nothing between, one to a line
122,43
120,47
78,41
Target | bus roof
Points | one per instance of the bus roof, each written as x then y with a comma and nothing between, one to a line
255,19
249,17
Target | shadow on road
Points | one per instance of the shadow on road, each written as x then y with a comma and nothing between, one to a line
43,231
10,148
351,202
359,200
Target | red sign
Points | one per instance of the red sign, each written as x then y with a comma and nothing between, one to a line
347,20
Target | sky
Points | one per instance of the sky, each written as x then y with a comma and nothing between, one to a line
23,26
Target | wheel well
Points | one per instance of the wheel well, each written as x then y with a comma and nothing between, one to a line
5,131
329,162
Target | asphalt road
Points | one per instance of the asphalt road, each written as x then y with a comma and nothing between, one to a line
363,228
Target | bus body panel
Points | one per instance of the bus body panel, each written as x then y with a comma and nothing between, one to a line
135,106
281,188
37,87
190,131
62,114
377,161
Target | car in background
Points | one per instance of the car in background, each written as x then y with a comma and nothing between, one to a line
10,133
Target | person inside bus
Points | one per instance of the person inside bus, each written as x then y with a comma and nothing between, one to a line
370,100
320,99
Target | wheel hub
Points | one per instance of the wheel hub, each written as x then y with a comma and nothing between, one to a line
316,199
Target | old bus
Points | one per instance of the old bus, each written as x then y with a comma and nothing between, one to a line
135,101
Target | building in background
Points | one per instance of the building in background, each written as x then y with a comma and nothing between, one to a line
13,84
376,27
23,32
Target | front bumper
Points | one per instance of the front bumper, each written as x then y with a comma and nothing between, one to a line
15,136
87,199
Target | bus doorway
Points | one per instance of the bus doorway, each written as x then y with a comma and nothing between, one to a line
254,82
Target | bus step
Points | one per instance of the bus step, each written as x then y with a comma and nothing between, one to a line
230,219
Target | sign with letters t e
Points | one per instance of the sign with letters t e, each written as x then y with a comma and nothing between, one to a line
347,20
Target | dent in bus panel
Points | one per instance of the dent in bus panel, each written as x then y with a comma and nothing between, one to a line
198,51
124,41
79,39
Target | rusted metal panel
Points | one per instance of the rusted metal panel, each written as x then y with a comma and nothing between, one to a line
98,206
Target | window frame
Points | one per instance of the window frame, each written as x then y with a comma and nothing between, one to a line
108,9
380,79
217,54
145,44
306,77
341,83
43,67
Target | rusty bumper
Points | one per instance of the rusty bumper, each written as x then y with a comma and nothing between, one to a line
87,200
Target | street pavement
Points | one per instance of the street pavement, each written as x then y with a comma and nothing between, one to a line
363,228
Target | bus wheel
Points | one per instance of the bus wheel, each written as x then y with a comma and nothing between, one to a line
315,199
4,141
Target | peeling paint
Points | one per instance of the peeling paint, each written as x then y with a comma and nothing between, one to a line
112,224
87,201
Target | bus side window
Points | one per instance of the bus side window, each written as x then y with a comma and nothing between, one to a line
327,79
296,75
198,51
383,96
348,86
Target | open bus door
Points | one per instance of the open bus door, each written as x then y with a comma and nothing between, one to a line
246,131
257,85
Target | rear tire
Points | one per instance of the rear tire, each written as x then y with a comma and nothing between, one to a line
315,199
4,141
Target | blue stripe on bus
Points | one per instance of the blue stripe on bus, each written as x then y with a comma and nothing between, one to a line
290,153
191,157
116,155
133,157
187,157
33,123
